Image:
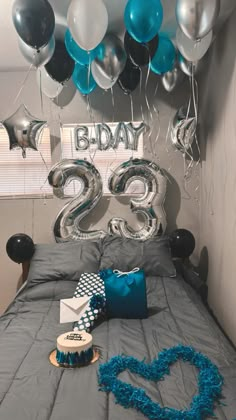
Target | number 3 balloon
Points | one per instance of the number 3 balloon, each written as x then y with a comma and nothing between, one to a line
149,205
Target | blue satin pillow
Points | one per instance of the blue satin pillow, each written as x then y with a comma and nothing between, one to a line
125,294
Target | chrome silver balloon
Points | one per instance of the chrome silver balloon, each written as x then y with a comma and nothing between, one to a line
172,79
37,57
23,130
149,204
111,58
197,17
67,223
187,67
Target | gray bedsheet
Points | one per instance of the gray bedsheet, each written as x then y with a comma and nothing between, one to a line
32,389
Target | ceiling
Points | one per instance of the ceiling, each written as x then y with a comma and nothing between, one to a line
12,60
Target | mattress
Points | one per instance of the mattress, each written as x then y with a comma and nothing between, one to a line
32,389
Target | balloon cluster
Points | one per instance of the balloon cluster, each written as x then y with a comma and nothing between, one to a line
96,57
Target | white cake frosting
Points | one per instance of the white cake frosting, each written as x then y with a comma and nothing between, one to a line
72,342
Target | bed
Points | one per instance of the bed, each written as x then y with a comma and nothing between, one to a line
33,389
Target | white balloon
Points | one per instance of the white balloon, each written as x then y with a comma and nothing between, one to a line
101,79
87,21
49,87
192,50
37,58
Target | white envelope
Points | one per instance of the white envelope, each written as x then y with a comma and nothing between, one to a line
73,309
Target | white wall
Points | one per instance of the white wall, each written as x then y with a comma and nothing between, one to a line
218,177
37,215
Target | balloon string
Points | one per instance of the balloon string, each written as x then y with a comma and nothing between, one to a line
158,117
23,84
140,93
113,104
92,156
152,148
132,118
132,107
40,91
194,93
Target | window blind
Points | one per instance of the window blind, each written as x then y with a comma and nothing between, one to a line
24,177
105,161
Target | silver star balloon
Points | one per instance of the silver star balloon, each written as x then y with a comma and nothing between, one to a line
23,130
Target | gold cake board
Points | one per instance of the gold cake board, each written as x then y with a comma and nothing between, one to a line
54,362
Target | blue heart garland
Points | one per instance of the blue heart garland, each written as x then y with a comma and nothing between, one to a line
210,383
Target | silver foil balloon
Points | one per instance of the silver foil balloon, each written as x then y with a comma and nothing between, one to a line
103,130
111,57
183,130
149,205
66,226
37,57
172,79
187,67
81,136
23,130
134,134
121,135
197,17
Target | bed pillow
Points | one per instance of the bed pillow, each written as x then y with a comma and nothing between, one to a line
153,255
64,261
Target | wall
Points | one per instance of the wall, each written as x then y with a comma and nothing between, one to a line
37,215
218,177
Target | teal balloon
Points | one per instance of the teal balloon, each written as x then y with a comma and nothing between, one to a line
83,79
143,19
164,58
78,54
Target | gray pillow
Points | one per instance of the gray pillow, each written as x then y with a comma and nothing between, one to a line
65,261
153,255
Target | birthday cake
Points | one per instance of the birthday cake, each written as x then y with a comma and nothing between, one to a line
74,349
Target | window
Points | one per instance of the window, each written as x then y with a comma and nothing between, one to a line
105,161
24,177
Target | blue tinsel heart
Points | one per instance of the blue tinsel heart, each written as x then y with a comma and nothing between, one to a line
210,383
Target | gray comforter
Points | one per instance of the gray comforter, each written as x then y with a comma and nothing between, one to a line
32,389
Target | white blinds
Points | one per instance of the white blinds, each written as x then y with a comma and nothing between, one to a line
104,160
22,177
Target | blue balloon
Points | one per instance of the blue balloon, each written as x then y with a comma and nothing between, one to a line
78,54
164,58
143,19
83,79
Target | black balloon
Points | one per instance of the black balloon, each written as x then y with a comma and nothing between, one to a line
182,243
140,54
129,79
20,248
34,21
61,65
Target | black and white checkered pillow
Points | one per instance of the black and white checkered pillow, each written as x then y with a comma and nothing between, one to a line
90,284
